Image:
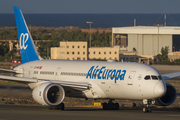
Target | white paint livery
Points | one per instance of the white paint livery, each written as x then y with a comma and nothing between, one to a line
52,80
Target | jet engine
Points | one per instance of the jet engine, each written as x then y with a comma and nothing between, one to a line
168,98
48,94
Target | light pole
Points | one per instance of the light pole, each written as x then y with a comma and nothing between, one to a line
158,37
88,22
158,25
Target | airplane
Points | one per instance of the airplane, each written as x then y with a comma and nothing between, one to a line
52,80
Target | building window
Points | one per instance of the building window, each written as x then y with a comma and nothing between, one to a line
67,46
109,52
94,52
73,53
78,46
72,46
114,52
67,52
99,52
78,52
104,52
88,52
83,46
83,52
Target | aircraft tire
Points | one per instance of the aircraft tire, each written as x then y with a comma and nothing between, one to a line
145,110
105,106
57,107
149,110
60,106
116,106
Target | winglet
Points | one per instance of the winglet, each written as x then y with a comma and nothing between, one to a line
27,48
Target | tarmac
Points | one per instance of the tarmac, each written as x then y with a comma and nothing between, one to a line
31,112
24,112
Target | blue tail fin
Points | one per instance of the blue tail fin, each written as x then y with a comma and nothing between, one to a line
27,48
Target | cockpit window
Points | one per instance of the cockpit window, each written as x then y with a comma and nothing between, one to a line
147,77
160,77
154,77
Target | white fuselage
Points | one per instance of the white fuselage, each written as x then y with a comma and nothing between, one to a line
114,80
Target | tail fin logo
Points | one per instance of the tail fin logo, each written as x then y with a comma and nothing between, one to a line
23,40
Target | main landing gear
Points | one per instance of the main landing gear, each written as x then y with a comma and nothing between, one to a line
147,108
57,107
110,105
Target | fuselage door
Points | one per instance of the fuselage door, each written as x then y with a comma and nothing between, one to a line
58,73
31,72
131,77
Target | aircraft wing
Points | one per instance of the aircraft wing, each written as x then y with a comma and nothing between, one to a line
170,75
10,71
18,79
80,86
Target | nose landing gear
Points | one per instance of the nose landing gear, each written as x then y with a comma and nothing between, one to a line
147,108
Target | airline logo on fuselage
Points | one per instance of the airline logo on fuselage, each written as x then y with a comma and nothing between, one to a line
23,40
103,73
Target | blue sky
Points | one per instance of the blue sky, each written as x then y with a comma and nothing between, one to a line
91,6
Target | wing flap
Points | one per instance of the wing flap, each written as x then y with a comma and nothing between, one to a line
170,75
80,86
69,85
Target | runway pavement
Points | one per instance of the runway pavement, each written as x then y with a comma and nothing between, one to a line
21,112
25,112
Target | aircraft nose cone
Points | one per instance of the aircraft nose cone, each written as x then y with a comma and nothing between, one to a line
159,89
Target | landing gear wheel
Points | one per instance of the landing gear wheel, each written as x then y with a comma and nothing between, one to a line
60,106
116,106
105,106
147,103
149,110
145,109
110,106
57,107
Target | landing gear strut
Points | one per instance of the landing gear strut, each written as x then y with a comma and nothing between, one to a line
147,108
110,105
57,107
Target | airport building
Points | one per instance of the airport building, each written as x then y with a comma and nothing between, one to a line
137,43
104,53
70,51
147,41
80,51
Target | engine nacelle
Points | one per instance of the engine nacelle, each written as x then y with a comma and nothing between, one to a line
48,94
168,98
